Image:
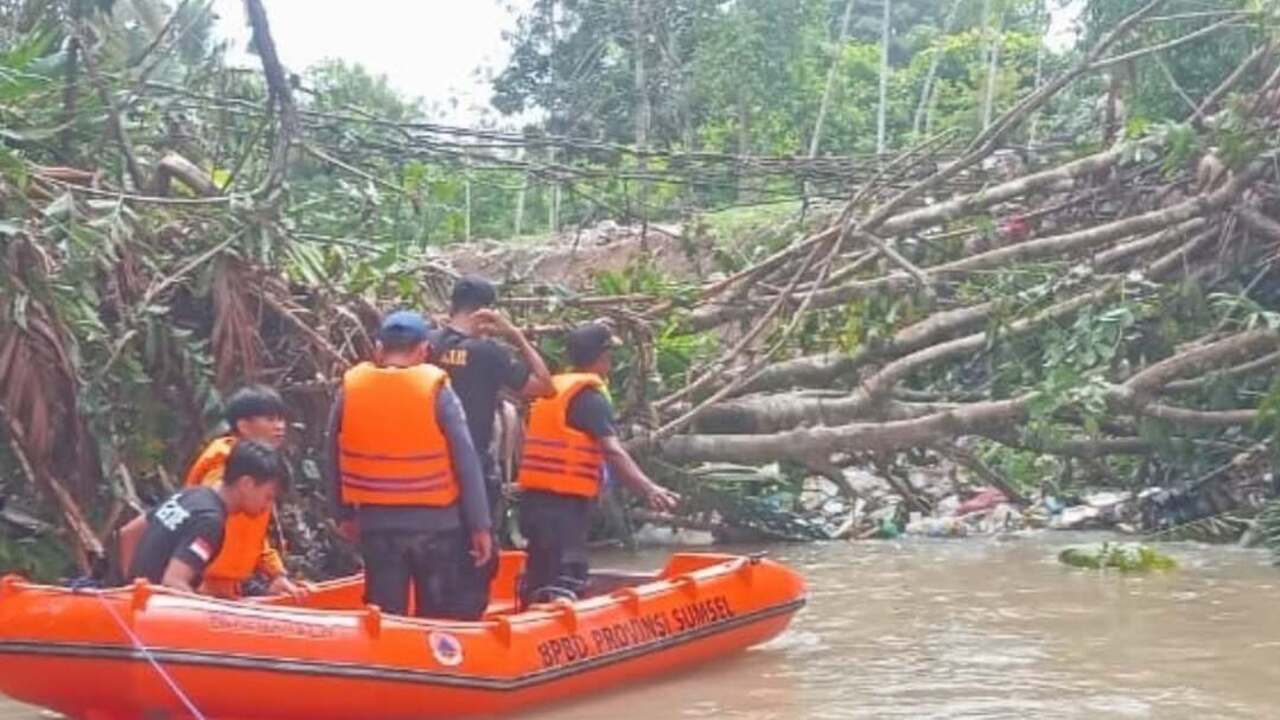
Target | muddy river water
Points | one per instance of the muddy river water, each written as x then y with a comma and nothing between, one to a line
982,628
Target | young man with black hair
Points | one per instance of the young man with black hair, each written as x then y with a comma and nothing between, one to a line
479,368
258,413
570,439
405,474
174,543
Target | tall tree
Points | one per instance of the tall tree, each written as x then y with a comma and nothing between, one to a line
886,33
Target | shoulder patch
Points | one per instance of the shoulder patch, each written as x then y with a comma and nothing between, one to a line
202,549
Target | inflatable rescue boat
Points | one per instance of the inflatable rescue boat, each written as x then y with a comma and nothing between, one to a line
150,652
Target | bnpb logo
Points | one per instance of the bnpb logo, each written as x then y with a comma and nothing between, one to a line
446,648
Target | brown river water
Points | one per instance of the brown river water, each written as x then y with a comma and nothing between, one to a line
983,628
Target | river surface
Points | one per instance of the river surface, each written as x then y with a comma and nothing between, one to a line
982,628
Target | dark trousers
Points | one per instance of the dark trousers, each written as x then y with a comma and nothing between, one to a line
472,595
394,561
556,528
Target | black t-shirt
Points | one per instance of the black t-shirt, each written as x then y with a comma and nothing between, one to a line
590,412
478,368
188,526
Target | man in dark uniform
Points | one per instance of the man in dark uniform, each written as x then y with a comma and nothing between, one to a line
405,474
570,440
479,369
184,534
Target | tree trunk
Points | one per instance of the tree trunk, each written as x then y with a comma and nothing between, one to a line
639,35
831,79
1042,16
71,88
885,31
553,206
993,62
520,198
925,109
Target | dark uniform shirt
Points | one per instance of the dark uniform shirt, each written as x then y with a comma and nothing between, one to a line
478,368
590,412
189,526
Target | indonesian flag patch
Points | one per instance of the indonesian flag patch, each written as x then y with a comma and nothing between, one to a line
202,549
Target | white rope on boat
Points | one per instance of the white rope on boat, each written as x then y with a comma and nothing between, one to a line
140,647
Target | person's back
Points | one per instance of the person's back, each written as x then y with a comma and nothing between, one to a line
479,369
189,525
569,440
402,468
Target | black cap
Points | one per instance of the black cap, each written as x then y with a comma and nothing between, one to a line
587,343
472,292
403,329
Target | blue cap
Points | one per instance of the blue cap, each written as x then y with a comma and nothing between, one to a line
403,328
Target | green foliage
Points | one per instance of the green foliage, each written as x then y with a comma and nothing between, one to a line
38,558
1093,339
1125,557
1269,410
748,78
1198,67
676,352
1026,470
1269,527
1243,313
1181,143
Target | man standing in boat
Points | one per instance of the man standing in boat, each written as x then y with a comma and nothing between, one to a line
184,534
479,368
403,467
258,413
570,439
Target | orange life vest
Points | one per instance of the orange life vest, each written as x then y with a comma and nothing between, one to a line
245,547
392,450
556,457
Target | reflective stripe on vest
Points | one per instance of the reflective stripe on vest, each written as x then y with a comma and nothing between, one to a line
392,450
245,535
556,457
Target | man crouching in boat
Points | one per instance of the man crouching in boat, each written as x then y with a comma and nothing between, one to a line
185,533
403,462
254,412
570,439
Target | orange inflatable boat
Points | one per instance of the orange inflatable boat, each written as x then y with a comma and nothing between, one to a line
148,652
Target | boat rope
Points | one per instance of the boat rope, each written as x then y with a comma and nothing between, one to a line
140,647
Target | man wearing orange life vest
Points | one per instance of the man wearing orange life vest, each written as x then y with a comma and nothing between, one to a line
257,413
568,444
402,466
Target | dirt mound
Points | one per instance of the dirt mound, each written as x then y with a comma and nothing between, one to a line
575,259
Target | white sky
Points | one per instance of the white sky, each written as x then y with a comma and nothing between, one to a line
1062,24
427,48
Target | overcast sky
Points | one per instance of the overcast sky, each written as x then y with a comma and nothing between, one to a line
426,48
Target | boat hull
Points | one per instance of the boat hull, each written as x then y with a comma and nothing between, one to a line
146,652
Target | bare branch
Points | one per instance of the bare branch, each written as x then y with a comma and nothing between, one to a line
281,93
